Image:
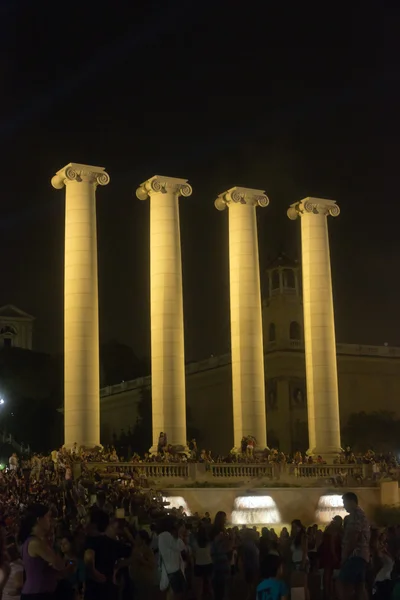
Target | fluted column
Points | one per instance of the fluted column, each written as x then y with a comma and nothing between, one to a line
167,339
81,313
248,383
319,325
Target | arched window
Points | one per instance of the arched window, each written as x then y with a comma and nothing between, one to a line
288,278
272,332
295,331
8,330
275,280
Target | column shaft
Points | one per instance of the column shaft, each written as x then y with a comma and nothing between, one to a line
319,327
246,326
167,338
248,382
81,318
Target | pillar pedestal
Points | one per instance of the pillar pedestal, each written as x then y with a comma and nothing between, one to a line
167,339
248,380
319,326
81,313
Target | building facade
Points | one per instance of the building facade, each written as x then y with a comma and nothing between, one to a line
369,378
16,328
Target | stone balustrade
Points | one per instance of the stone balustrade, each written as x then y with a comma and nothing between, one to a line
172,473
241,470
330,471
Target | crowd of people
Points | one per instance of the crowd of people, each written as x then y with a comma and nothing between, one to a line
67,538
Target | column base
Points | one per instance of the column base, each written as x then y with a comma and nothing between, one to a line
177,449
257,450
328,453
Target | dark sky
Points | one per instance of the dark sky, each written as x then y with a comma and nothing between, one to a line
289,98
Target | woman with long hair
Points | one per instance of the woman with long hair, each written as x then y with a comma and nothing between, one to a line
221,552
203,566
70,588
41,564
300,562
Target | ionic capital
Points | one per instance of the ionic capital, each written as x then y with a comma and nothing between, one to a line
240,195
77,172
163,185
316,206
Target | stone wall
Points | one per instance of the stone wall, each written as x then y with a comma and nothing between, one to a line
366,383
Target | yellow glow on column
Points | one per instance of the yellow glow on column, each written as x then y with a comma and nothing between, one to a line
248,381
319,325
167,333
81,321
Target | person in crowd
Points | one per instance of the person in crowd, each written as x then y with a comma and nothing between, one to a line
101,556
272,586
42,565
102,503
329,554
5,568
383,583
203,566
71,587
143,567
355,551
162,443
13,462
221,553
248,561
299,557
171,559
13,583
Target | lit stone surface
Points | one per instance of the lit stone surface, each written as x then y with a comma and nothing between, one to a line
248,381
81,319
329,506
167,340
389,493
319,325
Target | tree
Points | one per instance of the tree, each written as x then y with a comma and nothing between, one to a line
29,384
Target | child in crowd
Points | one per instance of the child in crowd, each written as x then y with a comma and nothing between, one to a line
271,586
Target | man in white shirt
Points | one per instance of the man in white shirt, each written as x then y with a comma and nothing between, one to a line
13,462
171,560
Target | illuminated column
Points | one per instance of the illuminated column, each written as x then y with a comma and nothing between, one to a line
248,383
81,313
319,325
167,341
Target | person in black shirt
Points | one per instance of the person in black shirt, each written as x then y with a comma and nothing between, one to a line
101,556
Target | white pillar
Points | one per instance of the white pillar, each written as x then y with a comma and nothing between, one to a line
319,325
248,383
167,339
81,313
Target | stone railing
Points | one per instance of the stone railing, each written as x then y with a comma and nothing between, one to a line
236,472
329,471
240,471
151,470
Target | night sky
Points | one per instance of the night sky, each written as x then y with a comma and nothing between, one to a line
290,99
